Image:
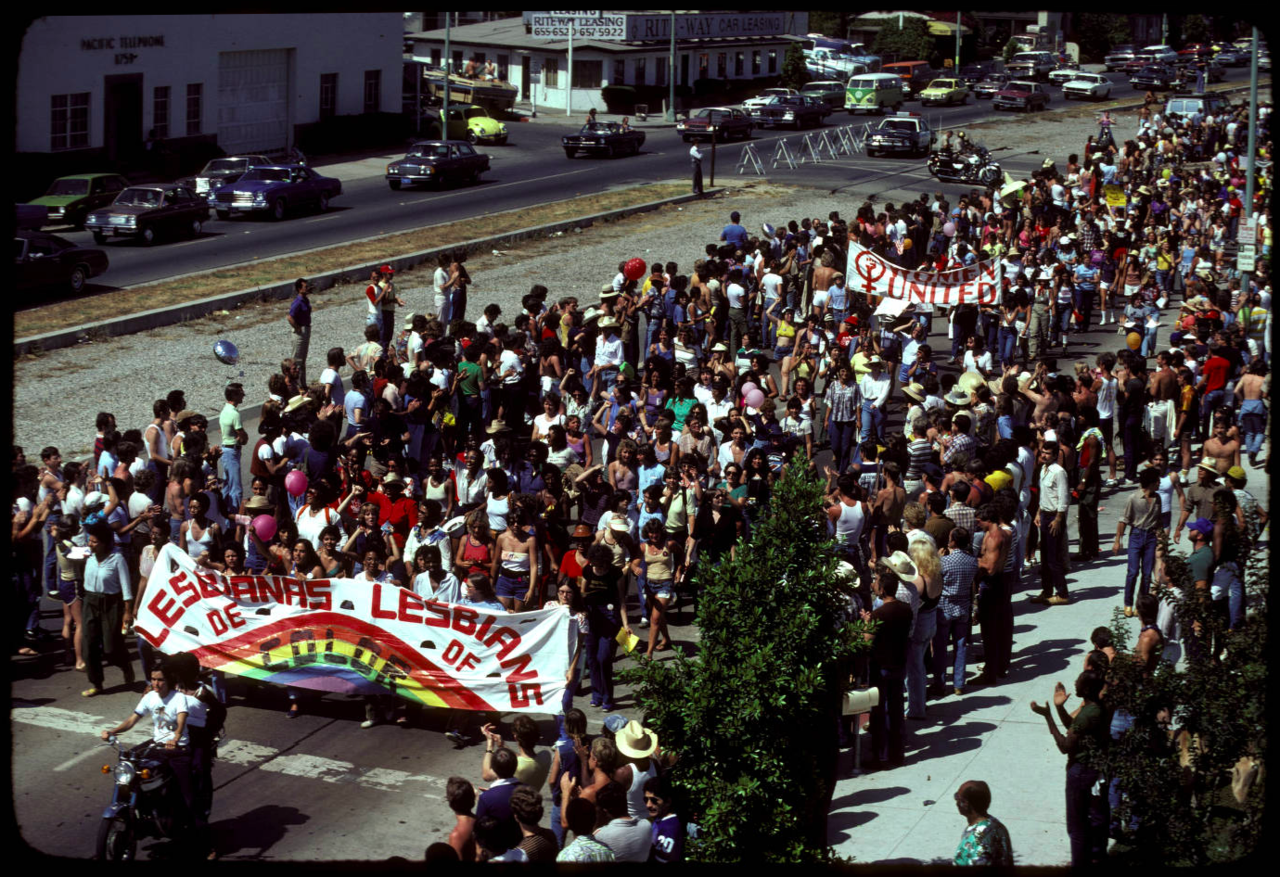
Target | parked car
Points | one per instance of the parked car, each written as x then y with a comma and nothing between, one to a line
1119,56
275,190
150,212
1136,64
902,132
1161,53
1264,60
724,122
1021,95
916,75
766,96
220,171
1155,77
603,138
799,110
69,199
43,261
1091,86
992,83
829,91
437,161
944,91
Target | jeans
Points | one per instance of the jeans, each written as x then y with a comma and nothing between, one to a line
233,491
1253,415
1142,553
1053,557
1227,577
605,625
386,329
1084,304
995,614
1038,331
737,328
1149,341
1087,817
1131,433
49,567
1008,344
1210,403
872,423
917,675
1061,323
1087,522
886,717
27,584
950,629
841,443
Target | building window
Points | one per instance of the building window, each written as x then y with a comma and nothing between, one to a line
457,62
619,71
704,66
372,91
328,95
638,78
773,61
504,65
660,72
588,74
551,73
160,111
755,63
195,94
740,64
70,121
722,65
435,57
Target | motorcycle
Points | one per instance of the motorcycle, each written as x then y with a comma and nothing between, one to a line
145,802
973,167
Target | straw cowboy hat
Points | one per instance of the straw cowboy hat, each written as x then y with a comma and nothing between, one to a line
636,741
902,566
497,426
958,398
969,382
1208,463
915,391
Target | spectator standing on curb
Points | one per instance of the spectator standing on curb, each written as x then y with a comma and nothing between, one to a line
985,840
695,158
300,321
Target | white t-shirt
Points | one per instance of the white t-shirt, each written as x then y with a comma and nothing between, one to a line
510,360
983,361
771,283
608,351
450,590
164,712
735,293
337,393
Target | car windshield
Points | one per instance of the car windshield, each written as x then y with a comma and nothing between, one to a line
435,150
897,125
69,187
476,113
139,198
713,115
943,83
599,128
277,174
221,165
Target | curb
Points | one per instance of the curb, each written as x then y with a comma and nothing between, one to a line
168,316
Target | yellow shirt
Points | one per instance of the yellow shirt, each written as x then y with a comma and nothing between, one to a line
998,480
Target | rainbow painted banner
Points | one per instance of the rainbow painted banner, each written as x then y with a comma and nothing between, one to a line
349,636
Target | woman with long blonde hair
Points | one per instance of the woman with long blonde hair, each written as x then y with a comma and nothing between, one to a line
924,554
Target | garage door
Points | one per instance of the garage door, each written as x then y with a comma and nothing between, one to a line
253,101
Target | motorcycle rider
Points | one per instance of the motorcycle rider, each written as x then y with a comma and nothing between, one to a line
169,710
204,725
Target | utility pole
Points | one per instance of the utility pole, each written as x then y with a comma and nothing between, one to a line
568,92
1247,277
444,109
671,74
1164,29
957,70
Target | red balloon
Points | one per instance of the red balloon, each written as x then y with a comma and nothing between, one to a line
634,269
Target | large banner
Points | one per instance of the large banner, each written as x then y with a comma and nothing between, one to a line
867,272
348,636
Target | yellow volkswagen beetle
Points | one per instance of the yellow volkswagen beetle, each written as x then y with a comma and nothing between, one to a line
944,91
474,124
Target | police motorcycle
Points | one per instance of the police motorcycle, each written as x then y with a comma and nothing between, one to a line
971,164
145,801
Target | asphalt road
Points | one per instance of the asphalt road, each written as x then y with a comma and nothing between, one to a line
530,169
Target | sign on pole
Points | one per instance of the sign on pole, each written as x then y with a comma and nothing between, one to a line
1246,259
591,24
1248,233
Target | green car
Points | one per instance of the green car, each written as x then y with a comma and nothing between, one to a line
944,91
471,123
70,199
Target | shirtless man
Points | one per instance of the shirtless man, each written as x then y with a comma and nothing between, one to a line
1253,412
994,610
886,511
1163,393
1045,403
1222,447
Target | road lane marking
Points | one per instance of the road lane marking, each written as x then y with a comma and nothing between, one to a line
483,189
79,724
331,770
195,241
323,218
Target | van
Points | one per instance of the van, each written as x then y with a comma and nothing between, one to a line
1187,105
872,92
916,74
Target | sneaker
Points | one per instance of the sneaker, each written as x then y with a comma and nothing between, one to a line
957,691
90,692
644,622
369,723
1128,612
1055,600
1111,482
1038,598
456,738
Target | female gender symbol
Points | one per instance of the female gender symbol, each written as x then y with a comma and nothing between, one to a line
864,265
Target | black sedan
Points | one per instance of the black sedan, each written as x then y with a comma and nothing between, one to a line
43,261
798,109
221,171
437,161
988,87
722,122
603,138
148,212
1154,77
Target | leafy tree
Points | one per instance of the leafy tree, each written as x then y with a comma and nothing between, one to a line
1196,29
1191,727
753,716
794,71
911,42
1097,32
1011,48
833,23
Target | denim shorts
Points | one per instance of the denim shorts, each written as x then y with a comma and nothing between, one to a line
512,586
67,591
660,590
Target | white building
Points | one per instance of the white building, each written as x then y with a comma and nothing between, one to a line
709,45
99,84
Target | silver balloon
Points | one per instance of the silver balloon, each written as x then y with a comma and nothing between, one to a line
226,352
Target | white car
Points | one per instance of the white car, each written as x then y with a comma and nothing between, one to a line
1093,86
1162,54
1063,75
766,96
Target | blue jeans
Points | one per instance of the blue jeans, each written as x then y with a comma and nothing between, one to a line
50,564
1131,433
605,625
949,629
1087,817
27,583
917,674
1008,344
1227,577
841,443
1084,304
1212,400
872,423
1142,552
1149,341
233,489
886,717
1253,416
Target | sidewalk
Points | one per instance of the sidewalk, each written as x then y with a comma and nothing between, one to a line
907,815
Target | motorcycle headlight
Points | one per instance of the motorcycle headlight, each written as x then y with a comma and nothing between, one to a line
124,773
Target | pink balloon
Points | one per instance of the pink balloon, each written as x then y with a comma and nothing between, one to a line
265,526
748,387
296,483
949,229
755,398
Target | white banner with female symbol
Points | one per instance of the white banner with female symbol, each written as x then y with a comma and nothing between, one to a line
978,283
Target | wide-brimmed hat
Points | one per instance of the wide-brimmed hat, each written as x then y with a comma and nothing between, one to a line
1209,464
902,566
969,382
296,402
582,531
1145,190
915,391
873,360
635,740
591,314
391,479
606,289
958,398
257,503
719,347
607,323
619,524
184,414
496,427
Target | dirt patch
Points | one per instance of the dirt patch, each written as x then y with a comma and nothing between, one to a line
67,314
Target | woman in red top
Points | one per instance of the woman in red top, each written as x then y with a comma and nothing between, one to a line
395,508
575,559
475,550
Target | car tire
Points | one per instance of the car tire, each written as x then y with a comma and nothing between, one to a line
278,209
569,153
394,184
78,279
224,214
99,238
147,235
471,137
612,151
196,227
323,204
